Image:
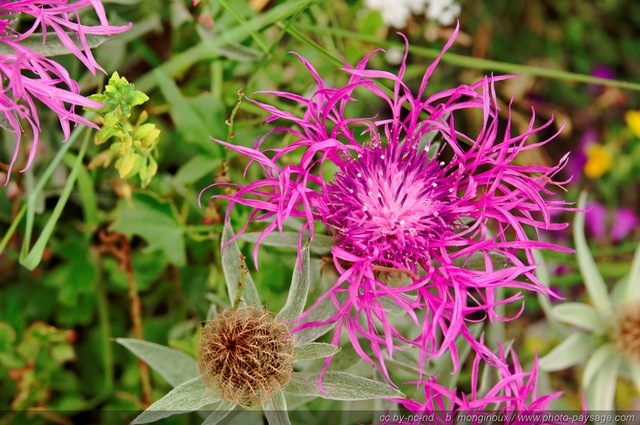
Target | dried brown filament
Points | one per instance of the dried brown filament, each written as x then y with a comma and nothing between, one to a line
245,356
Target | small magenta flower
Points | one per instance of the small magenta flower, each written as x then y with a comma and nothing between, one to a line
26,75
513,399
432,225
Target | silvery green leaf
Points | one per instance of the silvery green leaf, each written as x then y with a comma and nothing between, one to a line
571,351
299,289
635,374
340,386
578,314
186,397
631,289
233,265
600,356
476,261
212,312
173,365
593,281
315,350
543,275
322,312
4,122
275,409
53,45
600,394
219,413
321,244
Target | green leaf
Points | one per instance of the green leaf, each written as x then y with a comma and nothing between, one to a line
635,374
601,393
191,125
315,350
31,259
320,313
275,409
233,266
300,282
340,386
476,261
221,412
173,365
571,351
578,314
209,49
186,397
196,168
321,244
543,275
593,281
632,286
152,220
53,46
600,356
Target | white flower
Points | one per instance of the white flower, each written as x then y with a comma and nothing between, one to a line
395,13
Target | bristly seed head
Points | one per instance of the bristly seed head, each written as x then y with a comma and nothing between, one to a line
626,332
245,356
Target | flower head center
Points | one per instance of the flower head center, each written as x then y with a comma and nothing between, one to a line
391,204
626,332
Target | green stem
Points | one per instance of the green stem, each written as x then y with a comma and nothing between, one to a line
105,331
254,33
471,62
12,228
32,259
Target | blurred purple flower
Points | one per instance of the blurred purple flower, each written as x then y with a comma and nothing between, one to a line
394,209
578,160
624,220
26,75
600,71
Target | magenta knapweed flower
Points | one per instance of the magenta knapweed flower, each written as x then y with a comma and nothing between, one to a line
26,75
394,209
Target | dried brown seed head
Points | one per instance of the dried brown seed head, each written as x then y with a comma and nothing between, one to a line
245,356
626,331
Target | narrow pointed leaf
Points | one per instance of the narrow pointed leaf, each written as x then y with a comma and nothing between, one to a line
300,282
543,275
340,386
578,314
592,278
53,45
598,359
220,413
173,365
315,350
232,265
187,397
275,409
321,244
601,393
571,351
635,374
632,286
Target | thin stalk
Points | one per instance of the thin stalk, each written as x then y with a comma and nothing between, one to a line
471,62
136,319
105,329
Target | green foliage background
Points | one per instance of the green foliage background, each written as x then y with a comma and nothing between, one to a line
59,315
